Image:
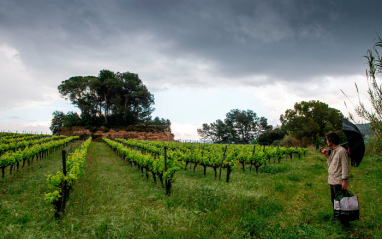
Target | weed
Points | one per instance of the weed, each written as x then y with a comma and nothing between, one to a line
271,169
294,177
279,186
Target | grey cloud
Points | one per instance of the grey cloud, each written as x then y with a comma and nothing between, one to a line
285,40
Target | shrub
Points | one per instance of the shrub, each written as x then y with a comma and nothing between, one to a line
374,116
290,141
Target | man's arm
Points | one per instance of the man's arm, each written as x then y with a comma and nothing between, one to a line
345,169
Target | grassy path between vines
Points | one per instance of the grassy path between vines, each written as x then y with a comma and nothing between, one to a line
114,200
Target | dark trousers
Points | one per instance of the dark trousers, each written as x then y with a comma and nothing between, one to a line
333,189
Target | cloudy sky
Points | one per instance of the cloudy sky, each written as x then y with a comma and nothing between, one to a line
200,59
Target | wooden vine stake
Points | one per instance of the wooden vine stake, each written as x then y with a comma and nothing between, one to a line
167,181
253,153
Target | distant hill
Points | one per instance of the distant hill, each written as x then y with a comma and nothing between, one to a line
365,129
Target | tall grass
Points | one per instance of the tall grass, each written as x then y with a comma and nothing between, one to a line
114,200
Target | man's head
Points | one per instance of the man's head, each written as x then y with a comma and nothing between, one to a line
332,138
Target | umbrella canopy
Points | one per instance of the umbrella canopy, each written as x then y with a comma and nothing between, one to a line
355,140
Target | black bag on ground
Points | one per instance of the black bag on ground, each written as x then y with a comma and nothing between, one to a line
346,206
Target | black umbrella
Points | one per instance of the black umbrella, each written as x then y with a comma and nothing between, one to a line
355,141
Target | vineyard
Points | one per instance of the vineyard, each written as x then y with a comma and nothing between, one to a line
28,147
149,189
163,159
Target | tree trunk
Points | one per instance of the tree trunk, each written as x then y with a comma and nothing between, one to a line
106,108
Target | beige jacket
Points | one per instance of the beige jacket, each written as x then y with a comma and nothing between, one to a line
338,163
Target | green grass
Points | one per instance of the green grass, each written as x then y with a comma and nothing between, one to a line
114,200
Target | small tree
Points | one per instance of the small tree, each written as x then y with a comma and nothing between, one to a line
311,120
374,116
71,119
57,121
239,126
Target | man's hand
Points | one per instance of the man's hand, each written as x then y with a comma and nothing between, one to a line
325,152
344,184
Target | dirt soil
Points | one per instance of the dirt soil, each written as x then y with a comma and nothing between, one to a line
158,136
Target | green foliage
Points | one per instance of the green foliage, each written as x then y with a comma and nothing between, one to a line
74,169
271,135
311,120
156,165
109,99
273,169
29,149
373,146
112,201
239,126
208,199
71,119
161,121
57,121
294,177
374,115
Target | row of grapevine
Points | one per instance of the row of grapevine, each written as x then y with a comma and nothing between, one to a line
13,159
10,135
218,156
161,166
62,182
21,137
212,157
21,144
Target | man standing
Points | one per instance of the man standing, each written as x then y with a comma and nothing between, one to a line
338,162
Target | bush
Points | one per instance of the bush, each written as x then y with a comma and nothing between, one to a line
373,146
276,143
290,141
374,115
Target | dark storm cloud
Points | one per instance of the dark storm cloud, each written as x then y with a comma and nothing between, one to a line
283,40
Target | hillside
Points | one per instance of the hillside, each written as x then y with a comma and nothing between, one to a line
365,129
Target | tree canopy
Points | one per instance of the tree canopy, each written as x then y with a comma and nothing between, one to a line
311,120
239,126
270,136
109,99
57,121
